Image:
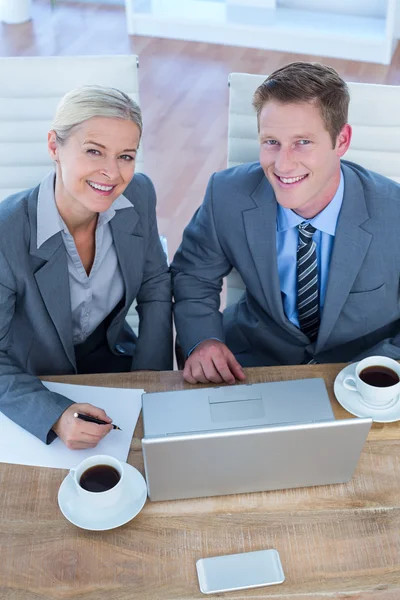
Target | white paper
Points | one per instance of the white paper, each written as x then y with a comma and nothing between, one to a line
123,405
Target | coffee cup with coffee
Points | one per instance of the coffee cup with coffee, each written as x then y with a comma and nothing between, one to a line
99,481
377,380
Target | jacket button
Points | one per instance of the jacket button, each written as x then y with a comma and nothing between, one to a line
120,349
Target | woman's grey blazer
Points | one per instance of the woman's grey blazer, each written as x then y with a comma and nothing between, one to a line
35,309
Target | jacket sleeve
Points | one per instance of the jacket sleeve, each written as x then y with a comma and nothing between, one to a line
154,348
389,347
23,398
198,269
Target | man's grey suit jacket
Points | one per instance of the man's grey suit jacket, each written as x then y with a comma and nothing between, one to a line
236,227
35,309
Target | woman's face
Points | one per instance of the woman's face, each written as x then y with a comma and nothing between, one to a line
95,164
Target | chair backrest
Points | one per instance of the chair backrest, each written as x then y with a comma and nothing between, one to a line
373,113
30,90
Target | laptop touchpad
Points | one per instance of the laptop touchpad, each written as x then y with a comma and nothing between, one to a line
237,410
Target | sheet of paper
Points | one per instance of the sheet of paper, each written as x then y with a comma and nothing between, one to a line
17,446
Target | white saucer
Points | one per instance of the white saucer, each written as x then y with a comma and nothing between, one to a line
78,514
351,401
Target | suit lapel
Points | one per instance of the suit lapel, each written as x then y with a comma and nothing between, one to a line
52,279
260,227
130,250
349,250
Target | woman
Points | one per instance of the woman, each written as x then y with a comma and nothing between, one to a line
74,254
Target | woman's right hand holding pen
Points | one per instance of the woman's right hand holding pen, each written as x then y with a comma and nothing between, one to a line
77,434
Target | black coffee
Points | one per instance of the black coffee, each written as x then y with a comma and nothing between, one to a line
99,478
379,376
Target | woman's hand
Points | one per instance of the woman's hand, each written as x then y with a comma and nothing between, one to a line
77,434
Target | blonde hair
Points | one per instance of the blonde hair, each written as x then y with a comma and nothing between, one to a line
308,82
90,101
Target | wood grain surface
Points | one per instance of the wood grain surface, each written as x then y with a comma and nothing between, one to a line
335,542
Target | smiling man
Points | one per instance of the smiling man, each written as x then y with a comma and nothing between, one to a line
315,239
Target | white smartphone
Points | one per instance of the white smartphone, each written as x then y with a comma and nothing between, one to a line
239,571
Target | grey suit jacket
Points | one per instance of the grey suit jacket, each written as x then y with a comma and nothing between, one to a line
236,227
35,311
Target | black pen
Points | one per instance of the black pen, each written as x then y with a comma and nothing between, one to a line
94,420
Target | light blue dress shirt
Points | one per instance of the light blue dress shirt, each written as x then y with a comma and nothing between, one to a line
287,236
92,296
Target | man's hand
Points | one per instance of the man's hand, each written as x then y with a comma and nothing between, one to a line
77,434
212,361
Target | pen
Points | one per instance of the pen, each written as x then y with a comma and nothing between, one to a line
94,420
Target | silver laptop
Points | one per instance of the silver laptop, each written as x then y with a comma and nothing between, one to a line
246,438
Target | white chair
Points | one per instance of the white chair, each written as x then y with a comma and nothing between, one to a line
29,93
374,115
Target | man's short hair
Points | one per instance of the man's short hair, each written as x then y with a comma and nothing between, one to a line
308,82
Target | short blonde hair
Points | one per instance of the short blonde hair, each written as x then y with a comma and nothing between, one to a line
90,101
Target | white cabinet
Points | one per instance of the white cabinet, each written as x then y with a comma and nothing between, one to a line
364,30
15,11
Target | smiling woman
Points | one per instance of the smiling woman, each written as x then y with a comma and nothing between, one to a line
74,254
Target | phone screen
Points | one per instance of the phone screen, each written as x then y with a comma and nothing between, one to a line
239,571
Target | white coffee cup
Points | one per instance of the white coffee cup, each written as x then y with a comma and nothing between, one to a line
372,395
104,499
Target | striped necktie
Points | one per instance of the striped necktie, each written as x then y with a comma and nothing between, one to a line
307,282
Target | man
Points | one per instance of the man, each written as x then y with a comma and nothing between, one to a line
315,240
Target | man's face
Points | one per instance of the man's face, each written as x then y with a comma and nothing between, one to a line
297,156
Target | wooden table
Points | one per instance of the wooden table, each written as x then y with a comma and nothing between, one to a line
339,541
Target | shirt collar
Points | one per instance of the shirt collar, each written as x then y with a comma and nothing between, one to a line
325,221
49,221
106,216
